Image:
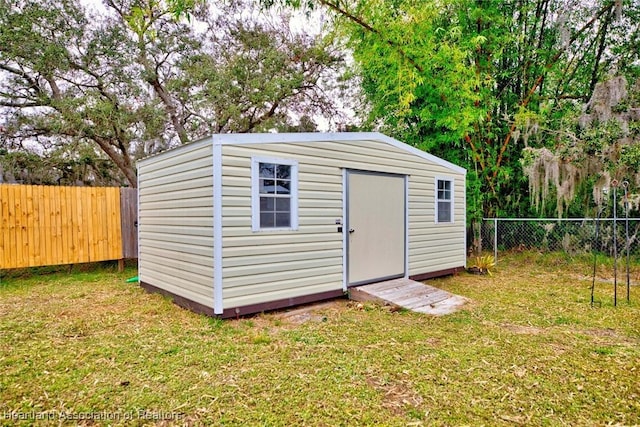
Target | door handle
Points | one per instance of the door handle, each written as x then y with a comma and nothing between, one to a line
351,230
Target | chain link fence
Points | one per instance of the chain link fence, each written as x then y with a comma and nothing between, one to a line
571,235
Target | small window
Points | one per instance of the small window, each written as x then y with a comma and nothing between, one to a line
274,194
444,200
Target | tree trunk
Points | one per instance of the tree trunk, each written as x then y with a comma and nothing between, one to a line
121,160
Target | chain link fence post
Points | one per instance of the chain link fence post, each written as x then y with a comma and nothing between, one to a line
495,240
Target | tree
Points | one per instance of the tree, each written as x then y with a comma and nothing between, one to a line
64,82
65,165
257,74
470,80
599,144
137,80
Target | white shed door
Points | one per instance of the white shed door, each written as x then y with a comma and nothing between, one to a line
376,227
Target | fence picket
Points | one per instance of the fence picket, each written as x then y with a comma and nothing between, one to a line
46,232
4,229
64,226
56,224
40,241
47,225
72,220
18,217
29,224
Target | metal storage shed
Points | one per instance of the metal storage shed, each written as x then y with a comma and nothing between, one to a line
235,224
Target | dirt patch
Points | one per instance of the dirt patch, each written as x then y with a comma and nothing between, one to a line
601,332
311,313
399,395
558,349
622,279
318,312
609,337
523,330
300,318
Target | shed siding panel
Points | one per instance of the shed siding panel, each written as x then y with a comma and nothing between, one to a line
166,232
180,194
184,155
176,222
284,291
180,272
160,239
432,246
266,266
235,254
256,267
200,182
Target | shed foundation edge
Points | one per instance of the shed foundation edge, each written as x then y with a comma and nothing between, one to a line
434,274
183,302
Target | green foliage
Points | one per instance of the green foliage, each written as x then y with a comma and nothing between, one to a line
477,82
630,156
254,76
596,144
417,72
483,264
474,197
598,137
74,164
140,80
182,7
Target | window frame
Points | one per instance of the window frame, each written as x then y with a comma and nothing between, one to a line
255,193
436,209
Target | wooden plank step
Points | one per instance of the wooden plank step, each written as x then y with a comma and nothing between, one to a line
387,284
410,295
399,292
425,300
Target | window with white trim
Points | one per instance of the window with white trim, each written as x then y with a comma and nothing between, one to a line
444,200
274,194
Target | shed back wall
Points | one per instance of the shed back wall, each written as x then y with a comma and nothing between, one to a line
176,222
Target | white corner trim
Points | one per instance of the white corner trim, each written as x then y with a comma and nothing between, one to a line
464,219
406,226
138,220
217,229
255,192
345,234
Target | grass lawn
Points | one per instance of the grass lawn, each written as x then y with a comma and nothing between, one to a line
529,350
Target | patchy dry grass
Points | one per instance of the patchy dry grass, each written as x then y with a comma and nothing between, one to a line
529,350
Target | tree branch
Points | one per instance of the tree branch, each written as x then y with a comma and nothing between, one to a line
600,51
351,17
14,104
55,90
32,81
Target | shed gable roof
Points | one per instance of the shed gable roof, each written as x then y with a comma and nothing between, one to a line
310,138
270,138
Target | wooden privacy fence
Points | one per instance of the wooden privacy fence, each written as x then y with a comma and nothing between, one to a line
46,225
